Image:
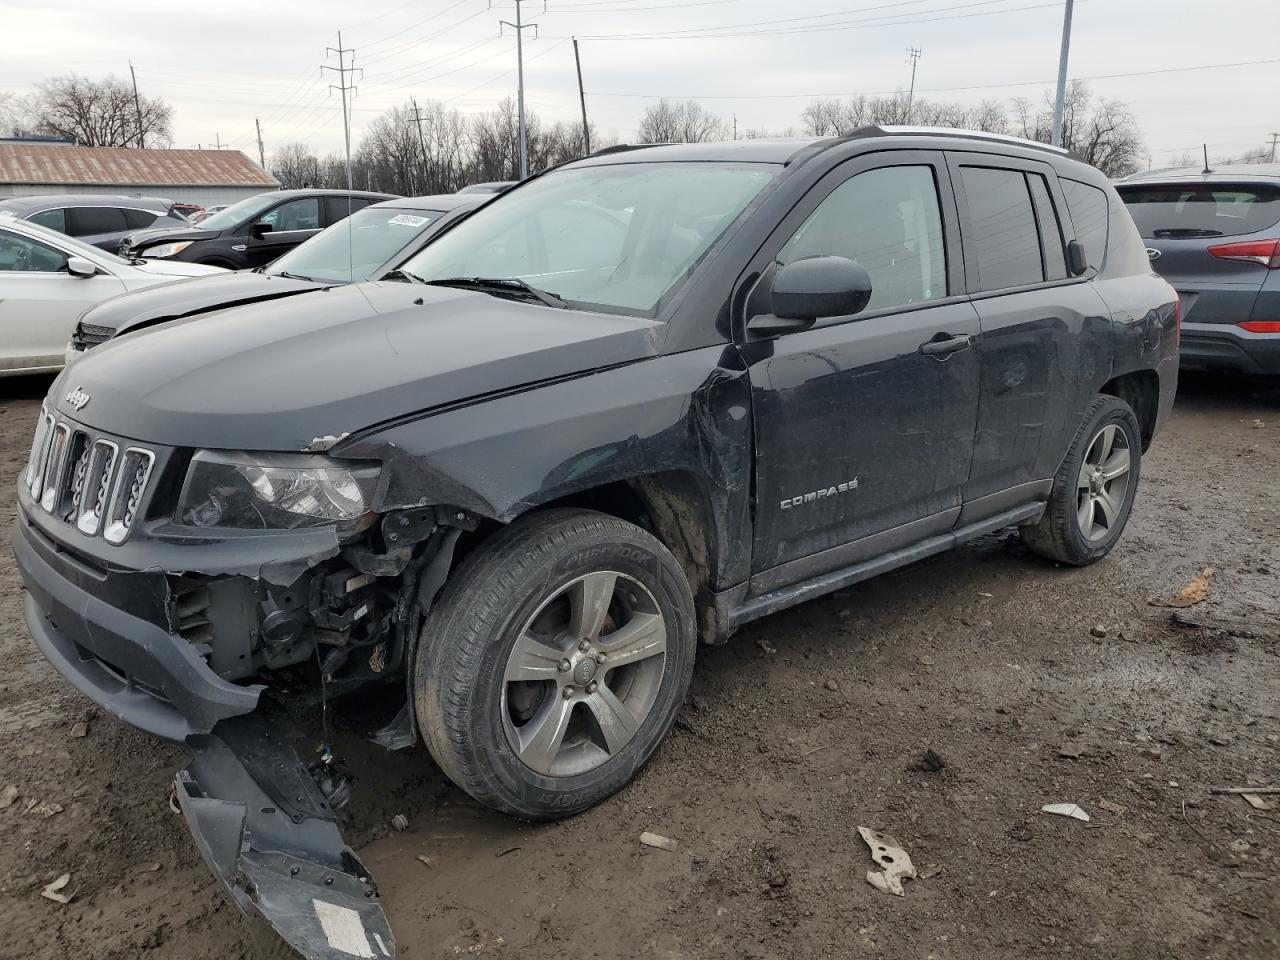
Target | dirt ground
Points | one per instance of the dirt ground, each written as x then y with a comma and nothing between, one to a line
811,723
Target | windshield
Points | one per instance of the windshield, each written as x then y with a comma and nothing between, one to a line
619,237
237,213
354,248
1170,212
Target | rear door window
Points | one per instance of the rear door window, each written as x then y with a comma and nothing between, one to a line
1002,228
1088,208
1190,211
339,208
89,221
55,219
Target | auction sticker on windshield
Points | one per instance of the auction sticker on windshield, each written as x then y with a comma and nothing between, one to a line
408,220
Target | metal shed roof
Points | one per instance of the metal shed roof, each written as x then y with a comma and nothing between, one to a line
38,163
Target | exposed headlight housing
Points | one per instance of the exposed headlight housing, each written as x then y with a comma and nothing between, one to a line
245,491
162,250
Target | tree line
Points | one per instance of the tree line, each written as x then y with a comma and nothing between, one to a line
438,150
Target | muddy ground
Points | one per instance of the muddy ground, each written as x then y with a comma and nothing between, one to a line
811,723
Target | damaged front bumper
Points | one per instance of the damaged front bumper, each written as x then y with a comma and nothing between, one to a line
268,832
263,820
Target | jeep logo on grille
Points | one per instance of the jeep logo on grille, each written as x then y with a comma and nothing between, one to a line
77,399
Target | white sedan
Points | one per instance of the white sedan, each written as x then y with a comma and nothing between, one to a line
48,279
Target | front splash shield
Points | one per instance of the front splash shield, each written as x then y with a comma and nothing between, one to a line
267,832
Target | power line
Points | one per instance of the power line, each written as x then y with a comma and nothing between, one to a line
343,88
980,86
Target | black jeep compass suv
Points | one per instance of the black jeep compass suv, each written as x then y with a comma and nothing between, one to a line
633,403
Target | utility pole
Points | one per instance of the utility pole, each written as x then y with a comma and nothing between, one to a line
735,126
217,141
344,89
1274,138
137,105
262,156
582,98
520,27
417,120
913,57
1059,104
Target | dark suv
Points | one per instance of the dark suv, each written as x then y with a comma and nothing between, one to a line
1216,237
97,219
254,231
637,401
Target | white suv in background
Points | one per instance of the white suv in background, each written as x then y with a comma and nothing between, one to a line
48,279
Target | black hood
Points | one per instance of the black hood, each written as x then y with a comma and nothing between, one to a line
186,298
166,235
279,374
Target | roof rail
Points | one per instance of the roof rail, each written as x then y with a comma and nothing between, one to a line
623,148
891,130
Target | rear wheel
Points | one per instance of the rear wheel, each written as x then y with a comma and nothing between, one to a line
1094,489
555,662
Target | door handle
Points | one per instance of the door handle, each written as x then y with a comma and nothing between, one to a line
946,346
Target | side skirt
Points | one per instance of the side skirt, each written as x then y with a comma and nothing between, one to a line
734,609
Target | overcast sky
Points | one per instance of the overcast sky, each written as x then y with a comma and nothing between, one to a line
221,65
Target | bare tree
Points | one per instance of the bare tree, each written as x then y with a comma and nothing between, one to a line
295,166
1104,132
680,121
1257,155
834,118
10,114
98,113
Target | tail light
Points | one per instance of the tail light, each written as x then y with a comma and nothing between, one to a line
1260,326
1265,252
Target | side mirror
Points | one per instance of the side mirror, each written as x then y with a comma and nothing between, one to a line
1077,262
80,267
808,290
260,229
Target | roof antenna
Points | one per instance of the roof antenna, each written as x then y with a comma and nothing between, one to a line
1206,169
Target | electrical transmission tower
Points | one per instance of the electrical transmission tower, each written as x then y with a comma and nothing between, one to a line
913,57
343,70
520,27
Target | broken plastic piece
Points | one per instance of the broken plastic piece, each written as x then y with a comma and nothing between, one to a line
1066,810
896,863
268,832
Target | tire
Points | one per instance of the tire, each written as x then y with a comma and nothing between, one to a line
501,667
1078,526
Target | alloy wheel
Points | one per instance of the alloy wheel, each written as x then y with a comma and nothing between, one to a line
583,674
1103,483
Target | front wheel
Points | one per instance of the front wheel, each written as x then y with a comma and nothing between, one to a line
1094,489
555,662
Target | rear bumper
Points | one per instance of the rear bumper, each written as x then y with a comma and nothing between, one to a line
88,624
1226,346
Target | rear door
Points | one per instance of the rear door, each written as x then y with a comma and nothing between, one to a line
1182,223
40,301
864,424
1045,335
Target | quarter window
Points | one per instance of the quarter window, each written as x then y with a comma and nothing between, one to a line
21,255
1088,207
889,221
141,219
1002,228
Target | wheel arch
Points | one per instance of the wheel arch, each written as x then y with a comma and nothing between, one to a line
1140,389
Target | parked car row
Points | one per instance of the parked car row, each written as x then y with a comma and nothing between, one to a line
99,220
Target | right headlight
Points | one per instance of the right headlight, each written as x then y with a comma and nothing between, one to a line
273,491
162,250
